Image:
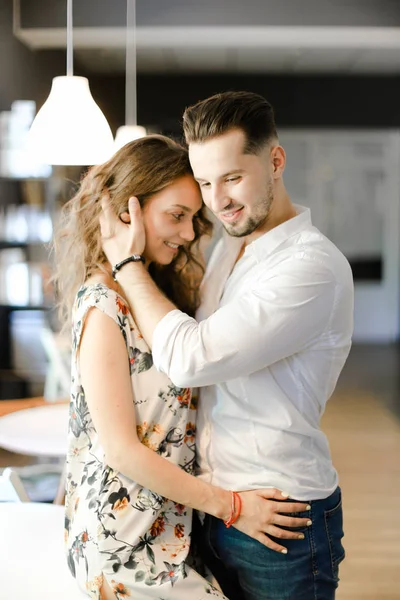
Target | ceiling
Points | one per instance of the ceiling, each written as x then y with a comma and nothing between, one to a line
208,37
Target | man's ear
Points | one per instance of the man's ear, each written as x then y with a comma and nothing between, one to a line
278,157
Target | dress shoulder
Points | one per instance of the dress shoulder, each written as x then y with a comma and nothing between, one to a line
105,299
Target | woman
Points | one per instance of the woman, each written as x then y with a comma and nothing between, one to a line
130,488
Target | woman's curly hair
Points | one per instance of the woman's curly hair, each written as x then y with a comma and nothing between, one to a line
141,168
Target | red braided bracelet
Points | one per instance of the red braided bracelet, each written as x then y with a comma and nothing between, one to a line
236,509
239,509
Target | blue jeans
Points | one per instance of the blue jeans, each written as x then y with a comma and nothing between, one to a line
248,570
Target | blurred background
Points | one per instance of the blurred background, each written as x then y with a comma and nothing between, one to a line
331,69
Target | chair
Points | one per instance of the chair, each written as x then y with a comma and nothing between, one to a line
11,487
43,482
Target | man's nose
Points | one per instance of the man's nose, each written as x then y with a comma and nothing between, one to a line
217,199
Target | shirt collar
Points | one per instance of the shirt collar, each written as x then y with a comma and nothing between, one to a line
267,243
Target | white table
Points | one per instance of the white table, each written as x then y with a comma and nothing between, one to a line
32,560
39,431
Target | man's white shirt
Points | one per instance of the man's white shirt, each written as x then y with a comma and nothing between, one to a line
273,333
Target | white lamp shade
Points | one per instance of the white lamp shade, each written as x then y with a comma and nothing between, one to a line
70,128
128,133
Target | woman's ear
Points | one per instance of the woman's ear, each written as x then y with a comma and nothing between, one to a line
125,217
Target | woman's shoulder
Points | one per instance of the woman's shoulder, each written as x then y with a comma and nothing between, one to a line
99,294
94,289
98,283
100,278
101,291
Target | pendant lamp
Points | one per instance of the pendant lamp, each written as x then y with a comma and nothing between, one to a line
70,128
131,130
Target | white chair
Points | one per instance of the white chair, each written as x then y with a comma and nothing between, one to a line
42,481
11,487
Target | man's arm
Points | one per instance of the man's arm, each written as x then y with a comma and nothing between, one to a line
279,316
148,303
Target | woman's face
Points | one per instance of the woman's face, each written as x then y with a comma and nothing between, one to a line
168,219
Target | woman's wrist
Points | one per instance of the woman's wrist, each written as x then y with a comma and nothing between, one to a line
223,503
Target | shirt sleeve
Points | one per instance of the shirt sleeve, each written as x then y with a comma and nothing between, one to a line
279,316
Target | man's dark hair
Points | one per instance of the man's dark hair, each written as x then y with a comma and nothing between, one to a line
224,112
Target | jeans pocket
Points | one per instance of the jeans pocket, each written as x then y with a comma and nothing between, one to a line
334,532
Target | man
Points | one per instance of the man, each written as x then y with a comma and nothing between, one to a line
274,332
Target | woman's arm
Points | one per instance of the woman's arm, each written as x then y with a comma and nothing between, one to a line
108,391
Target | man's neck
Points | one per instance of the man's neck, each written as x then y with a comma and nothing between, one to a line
281,211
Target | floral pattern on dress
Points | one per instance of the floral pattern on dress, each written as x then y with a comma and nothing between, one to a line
115,528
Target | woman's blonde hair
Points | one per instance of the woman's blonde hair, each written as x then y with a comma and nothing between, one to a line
141,168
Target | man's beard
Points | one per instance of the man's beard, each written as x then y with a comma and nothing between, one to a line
260,215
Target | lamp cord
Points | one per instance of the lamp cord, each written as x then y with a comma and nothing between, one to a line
70,58
130,81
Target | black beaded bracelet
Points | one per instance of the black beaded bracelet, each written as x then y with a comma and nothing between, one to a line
133,258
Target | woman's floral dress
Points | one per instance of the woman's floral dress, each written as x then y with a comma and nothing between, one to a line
115,528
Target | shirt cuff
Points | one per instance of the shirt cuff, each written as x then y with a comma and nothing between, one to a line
163,339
